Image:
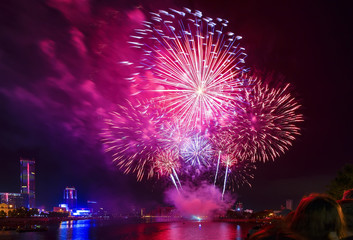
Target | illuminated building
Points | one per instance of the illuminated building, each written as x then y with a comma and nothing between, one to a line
93,206
63,205
60,209
239,207
27,196
5,208
16,200
28,181
70,197
82,212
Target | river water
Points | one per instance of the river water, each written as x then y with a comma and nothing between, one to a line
106,230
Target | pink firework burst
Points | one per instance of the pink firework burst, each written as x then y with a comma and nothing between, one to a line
191,62
166,163
131,136
172,135
264,122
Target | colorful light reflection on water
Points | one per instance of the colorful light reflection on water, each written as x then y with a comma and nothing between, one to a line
75,230
192,230
92,229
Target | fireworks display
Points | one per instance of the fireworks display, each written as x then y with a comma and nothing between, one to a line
196,108
236,172
166,163
172,135
132,136
263,123
191,63
196,151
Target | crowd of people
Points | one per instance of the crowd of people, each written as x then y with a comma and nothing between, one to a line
317,217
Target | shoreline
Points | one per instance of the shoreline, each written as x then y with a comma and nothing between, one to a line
15,222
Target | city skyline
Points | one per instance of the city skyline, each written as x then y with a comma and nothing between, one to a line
26,196
60,78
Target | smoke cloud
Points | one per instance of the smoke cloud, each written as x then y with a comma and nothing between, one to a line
201,200
60,76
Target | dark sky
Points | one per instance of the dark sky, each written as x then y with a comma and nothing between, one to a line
59,76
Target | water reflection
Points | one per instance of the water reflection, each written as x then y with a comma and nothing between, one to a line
185,231
75,230
238,232
112,230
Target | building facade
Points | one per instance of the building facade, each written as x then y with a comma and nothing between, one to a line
70,197
15,200
4,208
28,181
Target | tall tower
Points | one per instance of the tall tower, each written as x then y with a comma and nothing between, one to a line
28,181
70,197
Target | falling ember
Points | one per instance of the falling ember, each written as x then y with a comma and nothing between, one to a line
217,168
237,173
225,178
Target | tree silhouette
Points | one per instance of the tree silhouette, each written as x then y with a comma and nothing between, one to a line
343,181
23,212
2,214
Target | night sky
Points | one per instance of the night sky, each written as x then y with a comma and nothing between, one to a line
59,77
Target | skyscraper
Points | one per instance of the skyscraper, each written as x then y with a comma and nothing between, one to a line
70,197
28,181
